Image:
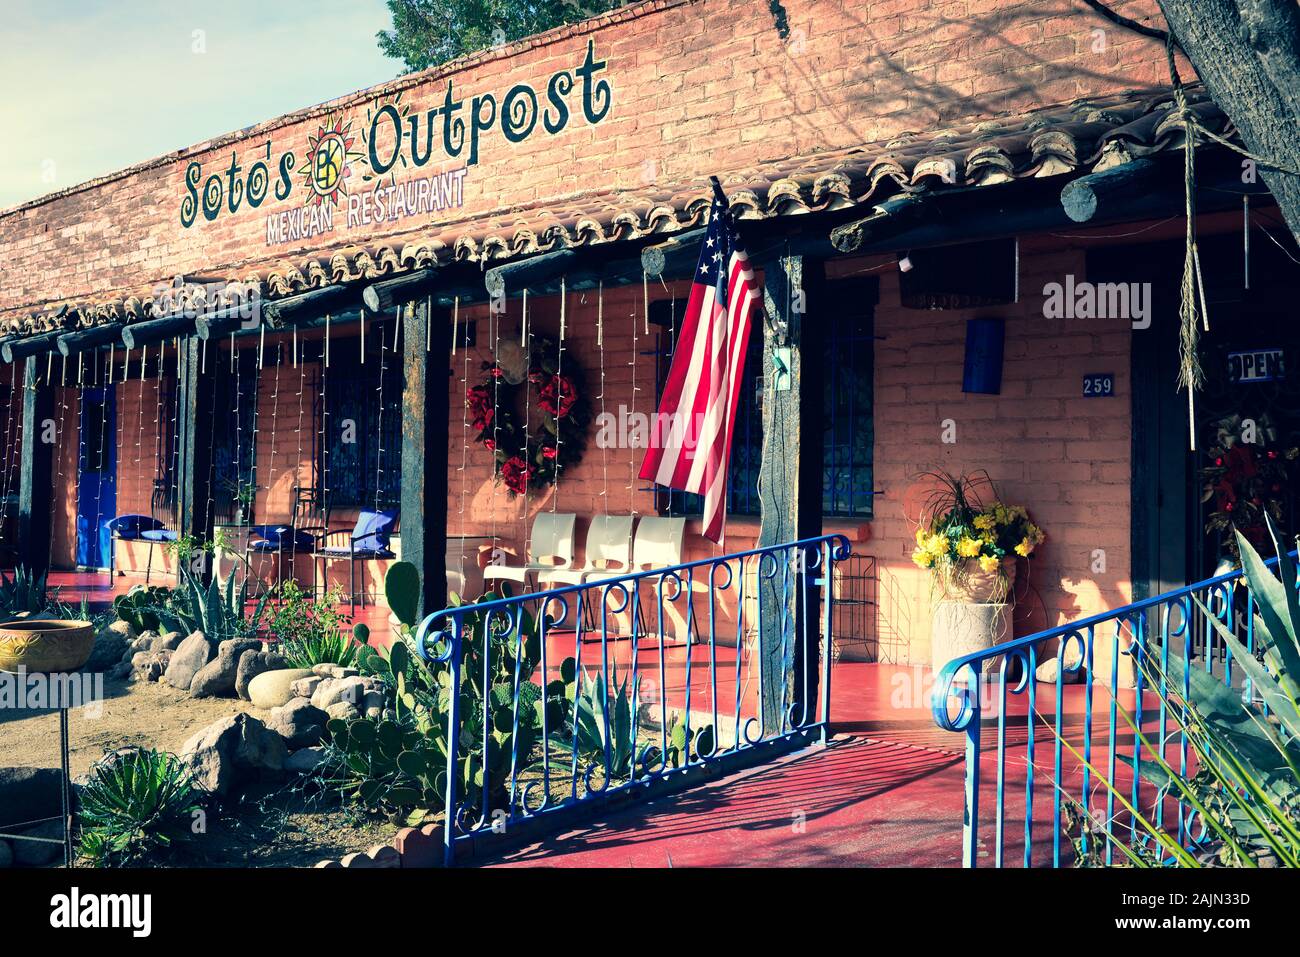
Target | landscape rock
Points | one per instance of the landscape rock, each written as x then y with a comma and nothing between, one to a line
305,760
300,724
39,853
168,641
342,709
151,664
305,687
217,677
120,670
333,690
108,650
123,629
329,670
187,660
28,794
271,689
232,750
143,643
254,663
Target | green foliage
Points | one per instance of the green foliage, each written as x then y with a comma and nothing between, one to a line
402,589
604,716
135,809
138,607
1246,787
429,32
217,611
310,631
25,592
494,736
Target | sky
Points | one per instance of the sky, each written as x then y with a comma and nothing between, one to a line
92,86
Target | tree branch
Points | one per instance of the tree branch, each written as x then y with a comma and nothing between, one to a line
1127,23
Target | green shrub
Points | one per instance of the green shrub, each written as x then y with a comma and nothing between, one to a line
136,808
310,631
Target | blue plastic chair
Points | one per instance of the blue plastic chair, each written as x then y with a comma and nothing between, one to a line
367,541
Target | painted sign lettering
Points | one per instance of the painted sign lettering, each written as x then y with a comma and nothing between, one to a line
343,152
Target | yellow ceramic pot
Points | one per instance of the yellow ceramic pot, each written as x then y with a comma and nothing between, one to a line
45,645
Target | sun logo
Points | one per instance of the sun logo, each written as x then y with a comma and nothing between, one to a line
329,161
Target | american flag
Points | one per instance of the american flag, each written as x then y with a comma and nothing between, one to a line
690,442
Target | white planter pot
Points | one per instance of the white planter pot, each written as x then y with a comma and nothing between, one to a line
961,628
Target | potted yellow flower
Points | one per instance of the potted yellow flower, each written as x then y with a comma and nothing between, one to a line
971,548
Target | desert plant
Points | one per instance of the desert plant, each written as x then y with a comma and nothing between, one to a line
603,723
310,631
216,611
138,607
1245,786
500,707
25,592
135,808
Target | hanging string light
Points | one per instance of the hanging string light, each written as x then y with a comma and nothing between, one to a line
631,479
559,400
600,347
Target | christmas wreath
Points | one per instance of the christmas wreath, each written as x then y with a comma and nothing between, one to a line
534,458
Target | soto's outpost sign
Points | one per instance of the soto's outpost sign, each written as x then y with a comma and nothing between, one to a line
346,171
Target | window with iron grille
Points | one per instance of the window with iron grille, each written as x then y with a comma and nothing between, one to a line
362,461
847,375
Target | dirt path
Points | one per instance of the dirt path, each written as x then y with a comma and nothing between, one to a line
135,713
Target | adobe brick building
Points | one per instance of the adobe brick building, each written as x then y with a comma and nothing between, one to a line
847,136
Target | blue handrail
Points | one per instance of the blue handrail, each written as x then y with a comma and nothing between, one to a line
1166,624
574,732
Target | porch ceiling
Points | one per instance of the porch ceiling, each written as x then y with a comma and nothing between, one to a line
1086,135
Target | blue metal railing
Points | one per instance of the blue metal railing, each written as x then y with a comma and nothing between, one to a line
1114,655
572,694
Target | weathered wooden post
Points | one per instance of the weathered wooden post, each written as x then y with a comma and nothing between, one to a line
426,340
35,469
196,393
790,495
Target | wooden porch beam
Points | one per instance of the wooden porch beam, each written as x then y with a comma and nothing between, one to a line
426,345
84,340
28,346
195,418
790,497
407,287
138,334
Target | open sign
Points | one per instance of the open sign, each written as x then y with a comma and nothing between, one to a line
1258,365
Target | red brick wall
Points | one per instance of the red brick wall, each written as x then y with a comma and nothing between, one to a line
1066,458
698,87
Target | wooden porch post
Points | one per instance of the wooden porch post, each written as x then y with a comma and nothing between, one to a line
196,393
35,471
426,341
790,498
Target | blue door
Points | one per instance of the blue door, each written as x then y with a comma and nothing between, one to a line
96,478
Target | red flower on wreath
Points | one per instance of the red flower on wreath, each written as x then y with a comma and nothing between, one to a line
549,451
515,472
558,396
479,402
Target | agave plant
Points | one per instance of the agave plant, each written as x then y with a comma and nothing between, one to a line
603,728
216,611
1246,784
136,807
25,592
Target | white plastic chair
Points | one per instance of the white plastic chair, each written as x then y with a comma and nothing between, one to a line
658,544
550,548
609,551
